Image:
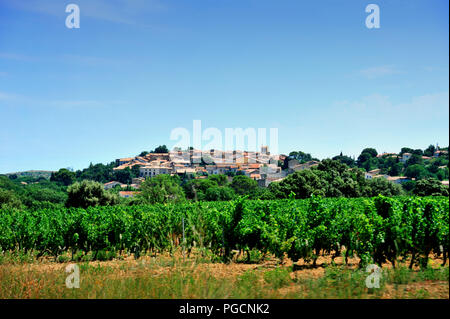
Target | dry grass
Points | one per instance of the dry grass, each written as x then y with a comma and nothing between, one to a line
171,277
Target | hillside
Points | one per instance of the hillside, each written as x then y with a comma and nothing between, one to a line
32,174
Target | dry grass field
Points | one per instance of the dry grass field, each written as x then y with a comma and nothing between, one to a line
169,277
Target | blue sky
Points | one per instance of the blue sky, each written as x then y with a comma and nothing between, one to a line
135,70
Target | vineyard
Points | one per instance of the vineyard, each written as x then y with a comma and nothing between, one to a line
375,229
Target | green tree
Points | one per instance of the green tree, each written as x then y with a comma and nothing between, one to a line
135,171
416,171
381,186
430,187
442,174
347,160
430,150
373,152
301,156
414,159
220,179
99,172
9,200
408,186
63,176
302,183
123,176
196,188
243,185
89,193
263,193
363,158
161,149
368,159
406,150
218,193
396,169
330,178
43,193
162,188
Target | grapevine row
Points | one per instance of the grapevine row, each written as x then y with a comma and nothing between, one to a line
375,229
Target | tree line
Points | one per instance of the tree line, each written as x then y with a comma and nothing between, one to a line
340,176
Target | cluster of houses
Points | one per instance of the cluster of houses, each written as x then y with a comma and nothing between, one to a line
261,166
395,179
406,156
403,159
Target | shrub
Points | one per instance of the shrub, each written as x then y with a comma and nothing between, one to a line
89,193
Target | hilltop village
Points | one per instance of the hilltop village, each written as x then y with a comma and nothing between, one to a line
215,175
262,166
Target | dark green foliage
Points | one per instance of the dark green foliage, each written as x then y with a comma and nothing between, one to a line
406,150
416,171
330,179
8,199
219,193
7,184
161,149
45,192
416,167
220,179
243,185
161,189
123,176
135,171
381,186
63,176
89,193
301,156
368,159
394,169
371,151
375,229
303,183
429,151
408,186
37,193
213,188
430,187
99,172
414,159
347,160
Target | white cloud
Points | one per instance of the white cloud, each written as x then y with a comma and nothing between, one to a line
4,96
378,121
380,110
378,71
92,60
68,58
83,103
15,56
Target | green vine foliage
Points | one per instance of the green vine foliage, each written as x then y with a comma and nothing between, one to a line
375,229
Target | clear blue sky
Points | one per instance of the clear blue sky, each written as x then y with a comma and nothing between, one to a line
135,70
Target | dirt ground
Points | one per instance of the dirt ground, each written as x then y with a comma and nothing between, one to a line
302,269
